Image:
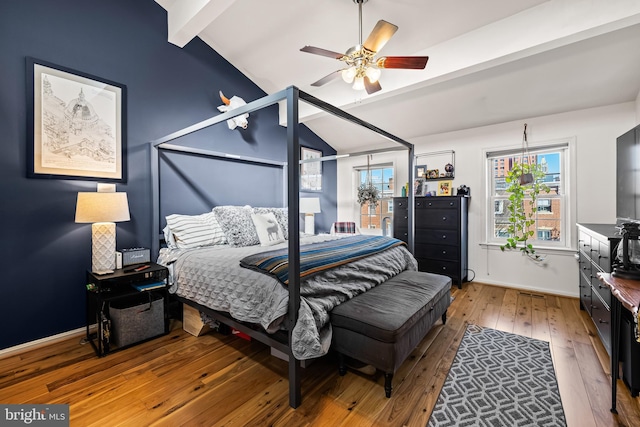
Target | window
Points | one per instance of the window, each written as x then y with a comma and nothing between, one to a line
380,216
551,212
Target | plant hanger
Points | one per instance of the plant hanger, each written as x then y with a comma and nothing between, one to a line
525,178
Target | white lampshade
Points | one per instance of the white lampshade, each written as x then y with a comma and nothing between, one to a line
103,210
309,206
348,74
358,83
373,73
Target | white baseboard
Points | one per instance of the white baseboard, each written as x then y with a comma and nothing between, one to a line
21,348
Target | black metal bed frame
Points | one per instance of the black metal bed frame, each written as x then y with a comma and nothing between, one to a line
292,95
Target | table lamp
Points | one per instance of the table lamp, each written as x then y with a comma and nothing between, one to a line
102,210
309,206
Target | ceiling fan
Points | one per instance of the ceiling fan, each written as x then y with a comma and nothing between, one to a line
362,68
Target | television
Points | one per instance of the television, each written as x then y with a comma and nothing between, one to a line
628,177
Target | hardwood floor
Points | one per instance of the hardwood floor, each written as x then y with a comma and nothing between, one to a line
181,380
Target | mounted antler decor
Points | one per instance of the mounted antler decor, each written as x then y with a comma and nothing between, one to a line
230,104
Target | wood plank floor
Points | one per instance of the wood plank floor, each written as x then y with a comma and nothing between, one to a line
212,380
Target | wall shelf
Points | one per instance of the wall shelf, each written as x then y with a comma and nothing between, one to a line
434,164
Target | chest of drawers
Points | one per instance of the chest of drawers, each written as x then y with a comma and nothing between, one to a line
441,233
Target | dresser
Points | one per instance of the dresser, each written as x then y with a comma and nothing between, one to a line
441,233
597,245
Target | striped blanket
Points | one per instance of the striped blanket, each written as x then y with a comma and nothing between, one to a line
318,257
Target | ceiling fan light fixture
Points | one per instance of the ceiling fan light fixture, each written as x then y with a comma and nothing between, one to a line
373,73
348,74
358,83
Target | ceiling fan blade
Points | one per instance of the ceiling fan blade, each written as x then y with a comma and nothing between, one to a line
326,79
380,35
409,62
371,87
322,52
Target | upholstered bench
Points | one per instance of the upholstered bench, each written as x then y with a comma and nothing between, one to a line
382,326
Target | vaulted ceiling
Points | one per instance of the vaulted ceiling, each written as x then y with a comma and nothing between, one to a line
490,61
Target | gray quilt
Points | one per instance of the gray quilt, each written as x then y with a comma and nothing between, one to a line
212,276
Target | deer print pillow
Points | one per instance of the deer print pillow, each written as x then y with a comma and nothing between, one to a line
269,231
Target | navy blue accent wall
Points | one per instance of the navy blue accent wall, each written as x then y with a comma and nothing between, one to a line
44,253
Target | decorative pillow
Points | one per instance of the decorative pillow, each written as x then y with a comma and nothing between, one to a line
281,215
268,229
168,238
237,225
192,231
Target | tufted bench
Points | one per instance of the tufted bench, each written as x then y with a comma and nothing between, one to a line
382,326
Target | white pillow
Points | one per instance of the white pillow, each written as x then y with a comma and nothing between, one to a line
192,231
269,231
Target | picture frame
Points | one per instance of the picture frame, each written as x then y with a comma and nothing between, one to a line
433,174
444,188
419,187
421,171
310,171
76,124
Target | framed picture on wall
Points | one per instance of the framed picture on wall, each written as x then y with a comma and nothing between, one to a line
77,124
444,188
421,171
310,170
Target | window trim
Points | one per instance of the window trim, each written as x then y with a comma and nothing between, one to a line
356,174
569,174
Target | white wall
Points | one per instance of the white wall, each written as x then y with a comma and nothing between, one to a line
595,132
638,109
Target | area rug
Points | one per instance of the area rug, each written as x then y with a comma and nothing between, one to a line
499,379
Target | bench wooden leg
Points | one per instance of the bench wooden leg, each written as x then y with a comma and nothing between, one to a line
444,318
387,384
342,365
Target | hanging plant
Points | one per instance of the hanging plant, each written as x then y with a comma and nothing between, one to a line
368,193
525,183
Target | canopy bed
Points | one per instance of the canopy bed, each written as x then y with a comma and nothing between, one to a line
284,334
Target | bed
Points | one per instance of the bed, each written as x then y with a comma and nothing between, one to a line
290,318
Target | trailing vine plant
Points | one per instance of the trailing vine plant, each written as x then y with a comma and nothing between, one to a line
525,182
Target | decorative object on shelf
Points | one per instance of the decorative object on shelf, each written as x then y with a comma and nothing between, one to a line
433,174
524,180
367,192
448,168
444,188
463,190
103,210
421,171
76,125
232,104
309,206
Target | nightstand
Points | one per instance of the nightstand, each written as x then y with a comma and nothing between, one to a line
128,306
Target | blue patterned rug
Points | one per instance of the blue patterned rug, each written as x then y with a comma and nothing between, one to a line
499,379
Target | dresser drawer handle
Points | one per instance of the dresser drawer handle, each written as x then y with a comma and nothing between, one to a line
444,252
450,203
602,321
444,218
444,268
444,236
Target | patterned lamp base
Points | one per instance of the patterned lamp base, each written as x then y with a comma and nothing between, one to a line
103,247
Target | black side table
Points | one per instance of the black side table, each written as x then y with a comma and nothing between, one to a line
143,285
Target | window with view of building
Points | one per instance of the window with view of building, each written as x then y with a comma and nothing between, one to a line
380,216
551,210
